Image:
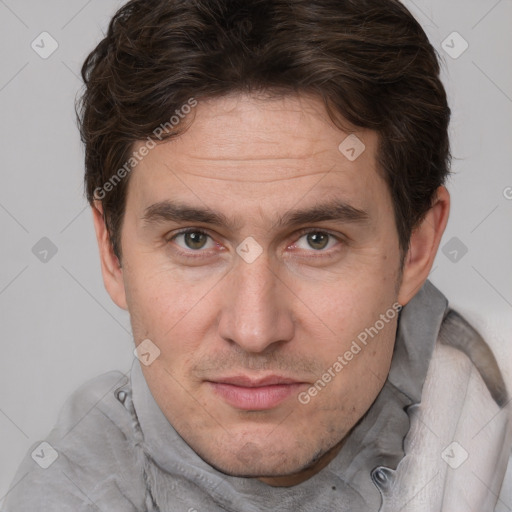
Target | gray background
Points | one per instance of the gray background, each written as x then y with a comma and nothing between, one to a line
59,327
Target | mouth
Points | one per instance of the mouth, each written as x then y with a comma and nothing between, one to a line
250,394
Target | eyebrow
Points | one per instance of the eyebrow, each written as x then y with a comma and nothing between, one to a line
171,211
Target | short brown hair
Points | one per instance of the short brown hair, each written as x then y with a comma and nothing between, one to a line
368,60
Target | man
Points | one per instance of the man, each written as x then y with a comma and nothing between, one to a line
267,186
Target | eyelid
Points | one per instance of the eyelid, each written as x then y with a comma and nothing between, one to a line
305,231
188,230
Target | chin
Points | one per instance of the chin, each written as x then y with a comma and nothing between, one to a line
256,461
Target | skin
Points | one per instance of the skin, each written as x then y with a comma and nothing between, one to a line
290,312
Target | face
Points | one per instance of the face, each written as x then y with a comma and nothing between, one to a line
254,254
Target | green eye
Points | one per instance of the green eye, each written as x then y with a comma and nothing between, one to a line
195,240
192,239
318,240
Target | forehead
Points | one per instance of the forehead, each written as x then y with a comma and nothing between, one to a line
249,148
250,127
241,126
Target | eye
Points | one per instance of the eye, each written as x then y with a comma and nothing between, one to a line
316,240
193,240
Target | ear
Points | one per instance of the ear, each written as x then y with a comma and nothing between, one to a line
110,265
425,240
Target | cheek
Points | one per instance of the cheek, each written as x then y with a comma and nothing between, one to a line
161,306
354,374
356,353
347,307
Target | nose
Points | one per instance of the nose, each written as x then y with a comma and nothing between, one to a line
256,307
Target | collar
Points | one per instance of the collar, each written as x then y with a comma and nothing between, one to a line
362,470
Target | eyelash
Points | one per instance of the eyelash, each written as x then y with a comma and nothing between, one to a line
201,254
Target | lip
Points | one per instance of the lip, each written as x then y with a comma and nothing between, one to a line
250,394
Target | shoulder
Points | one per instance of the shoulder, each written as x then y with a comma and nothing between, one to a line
458,446
458,333
90,456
